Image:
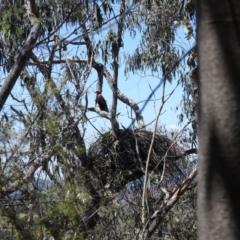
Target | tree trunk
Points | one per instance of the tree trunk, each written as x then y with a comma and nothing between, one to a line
219,119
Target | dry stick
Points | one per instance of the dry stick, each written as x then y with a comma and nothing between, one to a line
192,175
137,150
169,203
150,150
149,156
165,156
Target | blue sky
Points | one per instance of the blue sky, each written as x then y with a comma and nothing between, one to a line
138,87
135,86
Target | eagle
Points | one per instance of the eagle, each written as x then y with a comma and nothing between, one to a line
101,101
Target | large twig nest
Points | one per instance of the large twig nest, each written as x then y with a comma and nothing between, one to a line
116,162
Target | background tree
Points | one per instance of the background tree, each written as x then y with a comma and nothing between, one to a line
219,129
54,184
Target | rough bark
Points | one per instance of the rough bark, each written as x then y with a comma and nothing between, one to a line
219,113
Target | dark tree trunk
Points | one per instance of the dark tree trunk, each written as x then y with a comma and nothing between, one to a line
219,124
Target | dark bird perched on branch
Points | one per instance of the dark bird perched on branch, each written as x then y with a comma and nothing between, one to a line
101,101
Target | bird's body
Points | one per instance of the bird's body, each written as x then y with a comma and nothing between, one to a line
101,102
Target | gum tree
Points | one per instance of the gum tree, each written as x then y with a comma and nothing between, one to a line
52,183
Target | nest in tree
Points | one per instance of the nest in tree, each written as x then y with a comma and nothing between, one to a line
117,162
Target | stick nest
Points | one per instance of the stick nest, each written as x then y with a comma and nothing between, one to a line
117,162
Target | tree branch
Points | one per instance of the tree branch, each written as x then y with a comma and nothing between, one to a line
21,58
133,105
169,203
116,45
100,67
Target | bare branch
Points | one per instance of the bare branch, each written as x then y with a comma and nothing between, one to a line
115,52
122,97
169,203
33,166
100,67
149,156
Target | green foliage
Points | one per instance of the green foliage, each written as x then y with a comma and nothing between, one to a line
63,209
156,51
181,222
7,230
13,26
46,174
